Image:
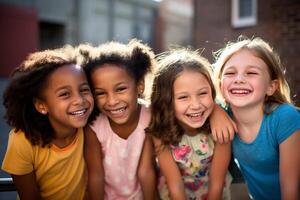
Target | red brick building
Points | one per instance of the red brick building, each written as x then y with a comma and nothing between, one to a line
278,22
19,36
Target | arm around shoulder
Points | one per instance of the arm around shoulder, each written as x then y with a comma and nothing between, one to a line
222,126
93,158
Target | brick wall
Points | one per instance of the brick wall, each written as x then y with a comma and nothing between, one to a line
278,22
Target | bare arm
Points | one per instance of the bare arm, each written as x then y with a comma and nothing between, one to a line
146,171
93,158
219,167
222,126
26,186
289,167
170,171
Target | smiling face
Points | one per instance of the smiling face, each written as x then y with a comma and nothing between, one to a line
66,99
245,80
116,94
193,102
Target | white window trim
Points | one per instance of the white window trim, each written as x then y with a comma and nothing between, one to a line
238,22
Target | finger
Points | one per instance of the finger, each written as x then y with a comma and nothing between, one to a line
214,134
231,133
234,125
220,138
226,136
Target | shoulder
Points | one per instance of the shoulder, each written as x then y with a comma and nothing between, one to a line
286,108
101,127
98,123
18,138
19,154
283,121
285,113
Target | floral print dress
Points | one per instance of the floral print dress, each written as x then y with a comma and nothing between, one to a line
193,156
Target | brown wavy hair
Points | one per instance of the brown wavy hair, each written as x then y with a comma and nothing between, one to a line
25,85
171,64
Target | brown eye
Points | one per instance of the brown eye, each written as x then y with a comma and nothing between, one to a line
64,94
120,89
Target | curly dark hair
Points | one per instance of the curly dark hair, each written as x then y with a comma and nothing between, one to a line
135,57
164,124
25,85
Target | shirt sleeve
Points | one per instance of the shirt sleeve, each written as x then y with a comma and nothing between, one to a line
286,121
18,159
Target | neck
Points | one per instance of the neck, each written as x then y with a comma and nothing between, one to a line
64,138
248,121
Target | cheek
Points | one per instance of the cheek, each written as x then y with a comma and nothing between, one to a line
223,86
209,102
177,108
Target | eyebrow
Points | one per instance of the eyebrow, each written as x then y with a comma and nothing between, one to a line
199,90
116,85
68,86
248,66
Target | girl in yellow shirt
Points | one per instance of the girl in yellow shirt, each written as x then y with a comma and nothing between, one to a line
47,101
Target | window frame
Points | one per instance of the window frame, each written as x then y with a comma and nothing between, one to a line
237,21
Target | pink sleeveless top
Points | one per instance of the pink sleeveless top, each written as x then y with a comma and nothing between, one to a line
121,157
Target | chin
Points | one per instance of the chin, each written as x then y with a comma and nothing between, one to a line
120,121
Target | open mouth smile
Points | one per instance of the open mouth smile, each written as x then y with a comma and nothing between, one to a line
199,114
240,91
79,112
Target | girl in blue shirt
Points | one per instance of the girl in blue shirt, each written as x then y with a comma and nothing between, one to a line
252,82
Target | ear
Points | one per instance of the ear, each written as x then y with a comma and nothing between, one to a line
141,87
40,106
272,87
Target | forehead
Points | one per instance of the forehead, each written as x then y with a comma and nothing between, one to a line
68,69
245,58
66,74
190,79
110,73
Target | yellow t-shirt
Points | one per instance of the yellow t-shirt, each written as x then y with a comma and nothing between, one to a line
60,172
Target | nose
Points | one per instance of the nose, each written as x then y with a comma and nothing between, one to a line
195,103
79,99
112,99
239,78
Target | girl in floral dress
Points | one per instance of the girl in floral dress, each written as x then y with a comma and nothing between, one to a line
191,165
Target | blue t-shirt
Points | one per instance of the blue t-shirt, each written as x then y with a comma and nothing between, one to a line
259,160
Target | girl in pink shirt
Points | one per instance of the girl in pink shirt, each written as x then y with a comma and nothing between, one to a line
117,151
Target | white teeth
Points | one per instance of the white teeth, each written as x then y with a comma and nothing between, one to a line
117,111
79,112
240,91
195,114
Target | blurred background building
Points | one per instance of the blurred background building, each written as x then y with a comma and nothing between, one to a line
31,25
278,22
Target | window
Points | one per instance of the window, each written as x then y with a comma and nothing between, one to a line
243,13
51,35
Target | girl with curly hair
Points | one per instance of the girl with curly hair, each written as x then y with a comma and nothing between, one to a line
48,102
